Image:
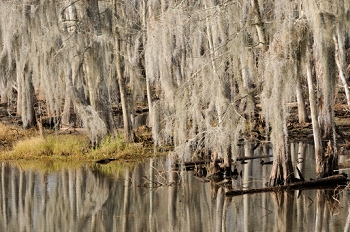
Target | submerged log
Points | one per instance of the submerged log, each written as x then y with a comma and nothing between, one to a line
104,161
334,180
207,161
253,157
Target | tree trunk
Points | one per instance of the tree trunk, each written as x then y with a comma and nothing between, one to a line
69,14
94,15
302,113
340,61
282,170
324,65
4,92
27,112
90,117
26,72
101,102
128,133
313,107
259,25
66,109
144,41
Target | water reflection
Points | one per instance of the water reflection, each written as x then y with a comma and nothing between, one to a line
158,197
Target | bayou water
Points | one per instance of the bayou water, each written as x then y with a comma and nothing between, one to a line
153,196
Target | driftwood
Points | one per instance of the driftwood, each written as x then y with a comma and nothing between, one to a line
333,181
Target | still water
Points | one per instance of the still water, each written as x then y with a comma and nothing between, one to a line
155,197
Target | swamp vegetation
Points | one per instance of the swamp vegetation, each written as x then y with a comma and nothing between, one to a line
203,77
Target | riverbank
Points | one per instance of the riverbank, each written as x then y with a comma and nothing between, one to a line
73,145
70,145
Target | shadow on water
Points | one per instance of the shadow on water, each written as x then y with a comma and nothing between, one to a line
160,196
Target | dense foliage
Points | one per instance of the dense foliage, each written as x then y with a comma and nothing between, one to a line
206,70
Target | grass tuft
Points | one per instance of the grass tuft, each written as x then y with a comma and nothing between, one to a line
63,146
35,146
111,145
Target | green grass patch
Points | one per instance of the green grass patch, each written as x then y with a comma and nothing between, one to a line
115,147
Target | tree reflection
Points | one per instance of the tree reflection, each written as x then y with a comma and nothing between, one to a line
159,196
31,201
347,224
126,203
173,179
284,202
327,206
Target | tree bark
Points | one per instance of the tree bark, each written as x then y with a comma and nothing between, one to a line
26,72
302,113
313,107
324,65
340,61
144,41
259,25
91,119
129,136
94,15
128,133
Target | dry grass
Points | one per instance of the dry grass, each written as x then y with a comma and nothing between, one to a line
53,148
52,145
10,134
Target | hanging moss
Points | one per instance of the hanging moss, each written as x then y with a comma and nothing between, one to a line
208,72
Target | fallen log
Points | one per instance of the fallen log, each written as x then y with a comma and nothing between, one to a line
253,157
342,122
335,180
207,161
